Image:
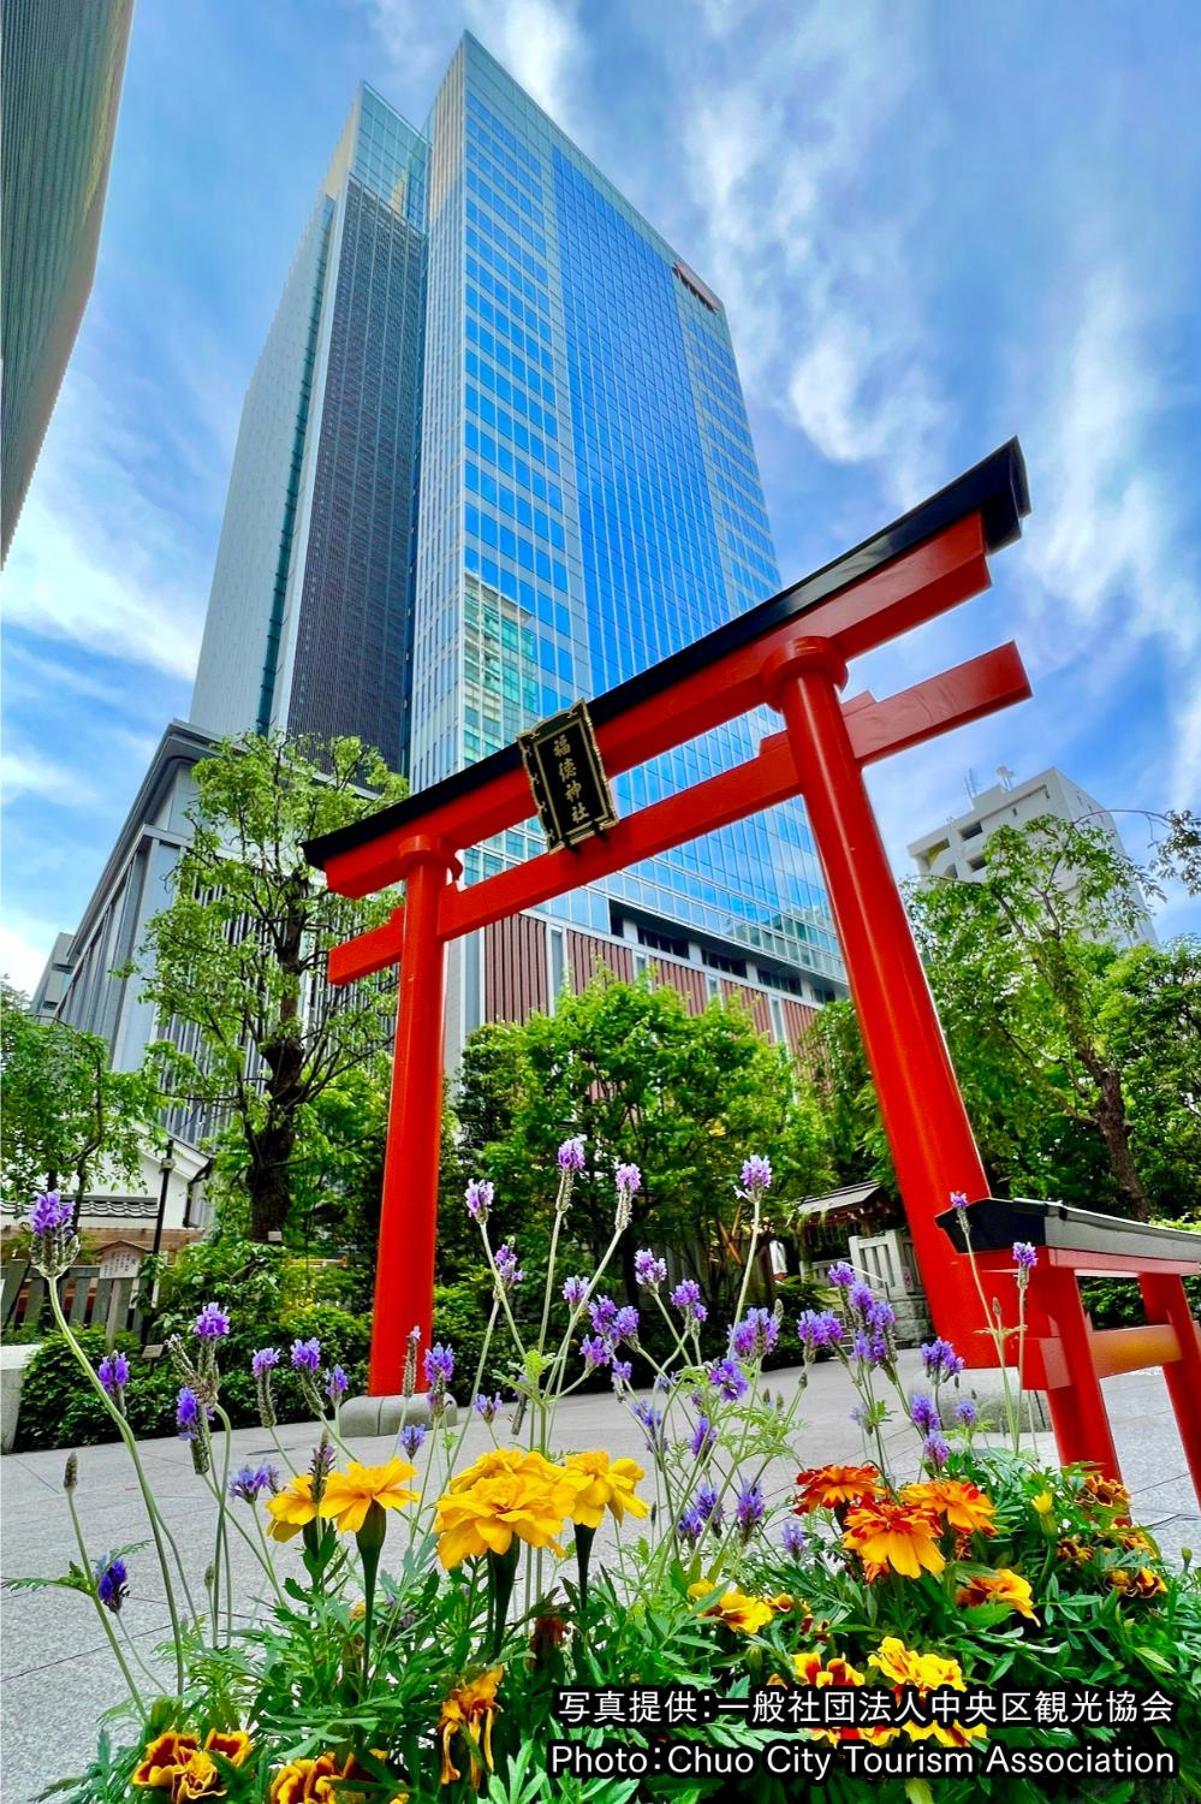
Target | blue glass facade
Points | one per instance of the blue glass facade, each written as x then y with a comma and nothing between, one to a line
590,501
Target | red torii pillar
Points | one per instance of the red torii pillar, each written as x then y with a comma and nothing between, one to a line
790,652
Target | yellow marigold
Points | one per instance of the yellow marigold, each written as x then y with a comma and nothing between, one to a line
302,1781
292,1508
1143,1583
176,1762
469,1711
610,1485
349,1495
829,1487
485,1517
901,1535
963,1505
498,1462
808,1669
738,1611
1043,1504
199,1779
923,1673
1000,1587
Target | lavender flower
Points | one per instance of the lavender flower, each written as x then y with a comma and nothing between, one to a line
756,1174
336,1385
708,1504
622,1373
410,1439
488,1408
749,1510
959,1199
509,1273
113,1373
704,1438
50,1212
439,1365
187,1414
792,1537
263,1361
248,1481
687,1299
112,1582
628,1179
306,1356
755,1335
649,1271
212,1323
727,1378
936,1450
924,1414
602,1314
1024,1257
841,1274
819,1328
652,1424
320,1467
574,1291
571,1154
870,1349
625,1324
940,1360
966,1413
860,1297
262,1364
691,1526
880,1316
408,1382
596,1352
478,1197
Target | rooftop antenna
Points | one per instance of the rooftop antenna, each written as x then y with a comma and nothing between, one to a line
1006,776
970,784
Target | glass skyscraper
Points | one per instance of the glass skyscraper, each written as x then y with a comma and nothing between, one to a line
64,62
495,457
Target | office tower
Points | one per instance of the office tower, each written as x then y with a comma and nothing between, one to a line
64,61
955,851
310,613
590,502
495,457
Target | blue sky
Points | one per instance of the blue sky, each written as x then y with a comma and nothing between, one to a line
932,226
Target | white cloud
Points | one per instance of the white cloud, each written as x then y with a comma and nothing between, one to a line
94,560
25,945
32,773
541,45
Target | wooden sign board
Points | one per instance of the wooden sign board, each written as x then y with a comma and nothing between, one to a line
571,791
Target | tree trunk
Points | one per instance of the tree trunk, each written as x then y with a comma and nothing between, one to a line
1114,1129
269,1178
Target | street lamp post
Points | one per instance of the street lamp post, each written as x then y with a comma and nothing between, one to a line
168,1166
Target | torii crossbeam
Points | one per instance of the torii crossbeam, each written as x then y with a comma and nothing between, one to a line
790,652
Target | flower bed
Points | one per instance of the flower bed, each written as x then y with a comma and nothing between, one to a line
549,1624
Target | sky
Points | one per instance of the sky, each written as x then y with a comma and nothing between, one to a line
932,226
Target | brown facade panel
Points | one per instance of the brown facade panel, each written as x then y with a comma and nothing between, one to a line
798,1019
689,982
586,956
515,975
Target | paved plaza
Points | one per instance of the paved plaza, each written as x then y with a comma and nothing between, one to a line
59,1675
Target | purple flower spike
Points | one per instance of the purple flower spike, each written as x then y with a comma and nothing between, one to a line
625,1324
596,1352
248,1481
265,1360
959,1199
819,1328
725,1375
792,1538
704,1438
212,1323
50,1211
940,1360
488,1408
187,1414
622,1373
306,1355
602,1314
507,1268
478,1197
629,1180
439,1365
755,1335
571,1154
966,1413
574,1291
924,1413
652,1424
936,1450
756,1174
411,1437
860,1297
709,1506
649,1271
841,1274
687,1298
749,1510
112,1583
113,1373
1024,1256
336,1384
691,1526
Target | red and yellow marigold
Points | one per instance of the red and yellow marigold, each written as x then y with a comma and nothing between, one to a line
900,1536
469,1712
962,1505
833,1487
1000,1587
906,1668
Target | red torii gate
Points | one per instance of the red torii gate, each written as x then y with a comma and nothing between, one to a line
790,652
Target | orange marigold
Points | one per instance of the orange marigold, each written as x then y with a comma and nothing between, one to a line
830,1487
1144,1583
962,1504
1000,1587
901,1535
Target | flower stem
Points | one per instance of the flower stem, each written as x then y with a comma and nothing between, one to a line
105,1624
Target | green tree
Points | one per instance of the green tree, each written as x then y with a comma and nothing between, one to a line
1150,1014
684,1097
67,1117
239,955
